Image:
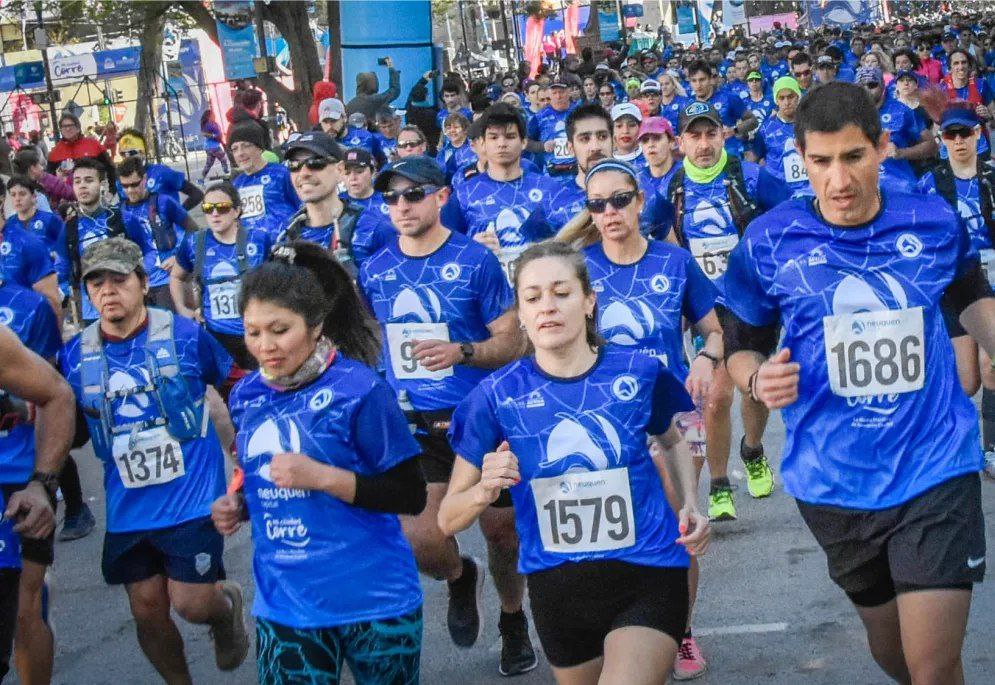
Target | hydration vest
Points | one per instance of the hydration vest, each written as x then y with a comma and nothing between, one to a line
182,415
345,227
163,234
742,207
200,253
946,187
115,228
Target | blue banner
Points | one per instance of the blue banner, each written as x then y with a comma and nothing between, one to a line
685,21
237,37
632,11
841,12
610,28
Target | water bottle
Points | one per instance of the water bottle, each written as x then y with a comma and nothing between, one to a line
692,427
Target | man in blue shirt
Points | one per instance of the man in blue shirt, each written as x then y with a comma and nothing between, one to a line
886,482
737,118
547,132
159,177
268,198
140,376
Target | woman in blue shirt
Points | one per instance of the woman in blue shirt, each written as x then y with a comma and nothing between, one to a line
328,464
565,431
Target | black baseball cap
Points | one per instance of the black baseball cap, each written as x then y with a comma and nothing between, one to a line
318,142
695,111
357,156
416,168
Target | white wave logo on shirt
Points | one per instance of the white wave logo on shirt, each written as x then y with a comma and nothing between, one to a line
507,225
623,325
572,441
135,406
970,212
710,219
409,304
223,270
6,316
273,436
854,295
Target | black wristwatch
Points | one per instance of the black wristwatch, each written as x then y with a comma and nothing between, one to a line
711,357
49,481
467,350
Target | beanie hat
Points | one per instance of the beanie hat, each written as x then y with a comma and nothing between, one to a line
247,131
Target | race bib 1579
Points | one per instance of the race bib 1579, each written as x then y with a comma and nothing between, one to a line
585,512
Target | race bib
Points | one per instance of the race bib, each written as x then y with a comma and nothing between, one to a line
585,512
875,353
794,170
560,150
253,203
507,257
712,254
153,457
401,339
988,264
224,300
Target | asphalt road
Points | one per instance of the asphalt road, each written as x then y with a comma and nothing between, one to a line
767,611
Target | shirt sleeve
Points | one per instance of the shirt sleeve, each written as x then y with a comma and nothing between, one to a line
173,211
752,303
43,335
37,261
185,253
669,398
927,184
699,293
495,294
214,361
381,432
474,429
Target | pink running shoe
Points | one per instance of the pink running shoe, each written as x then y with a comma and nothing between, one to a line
690,664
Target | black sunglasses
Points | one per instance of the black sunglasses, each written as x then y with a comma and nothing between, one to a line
411,144
618,201
412,195
312,163
957,132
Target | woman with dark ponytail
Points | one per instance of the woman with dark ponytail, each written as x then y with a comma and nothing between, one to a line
329,463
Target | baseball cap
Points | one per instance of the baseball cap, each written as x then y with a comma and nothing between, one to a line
948,36
117,255
626,109
357,156
558,82
906,73
695,111
824,61
754,76
601,66
959,116
869,75
655,126
416,168
357,120
650,85
331,108
318,142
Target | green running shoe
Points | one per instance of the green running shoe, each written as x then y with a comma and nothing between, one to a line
720,504
759,477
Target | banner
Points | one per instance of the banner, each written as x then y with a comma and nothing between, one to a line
687,29
185,95
733,13
610,28
237,37
766,22
705,8
631,11
841,12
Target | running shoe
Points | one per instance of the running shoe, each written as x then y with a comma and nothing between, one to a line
464,603
231,639
720,504
517,654
77,526
689,664
759,477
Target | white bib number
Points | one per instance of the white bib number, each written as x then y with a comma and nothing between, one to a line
712,254
794,170
152,458
401,339
253,202
224,300
875,353
585,512
988,264
560,150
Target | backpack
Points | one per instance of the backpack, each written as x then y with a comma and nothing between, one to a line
743,208
346,226
200,253
163,234
115,228
946,187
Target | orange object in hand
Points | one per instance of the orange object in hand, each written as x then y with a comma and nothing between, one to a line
237,481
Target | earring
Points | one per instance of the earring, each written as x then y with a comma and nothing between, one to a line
521,327
590,317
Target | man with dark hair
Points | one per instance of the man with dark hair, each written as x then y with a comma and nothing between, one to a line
881,451
589,140
801,70
738,119
547,131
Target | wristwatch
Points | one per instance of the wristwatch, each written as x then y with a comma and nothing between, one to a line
49,481
467,350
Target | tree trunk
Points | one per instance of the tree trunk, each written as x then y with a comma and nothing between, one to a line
149,65
291,20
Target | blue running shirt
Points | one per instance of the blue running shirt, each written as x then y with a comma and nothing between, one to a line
268,198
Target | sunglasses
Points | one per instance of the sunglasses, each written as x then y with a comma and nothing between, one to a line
412,195
618,201
130,153
411,144
958,132
131,185
217,207
312,163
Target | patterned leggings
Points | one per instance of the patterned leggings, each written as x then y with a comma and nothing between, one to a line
386,652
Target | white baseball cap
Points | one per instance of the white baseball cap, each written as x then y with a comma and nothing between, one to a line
626,108
331,108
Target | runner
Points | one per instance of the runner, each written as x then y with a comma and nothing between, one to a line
547,131
215,260
608,589
760,102
775,140
589,140
713,194
328,463
343,228
736,116
411,141
456,152
656,138
25,260
25,313
160,178
644,290
626,119
897,513
441,299
268,197
164,221
23,193
140,376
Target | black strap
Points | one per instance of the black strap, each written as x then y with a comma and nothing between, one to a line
72,248
946,187
675,191
742,207
200,252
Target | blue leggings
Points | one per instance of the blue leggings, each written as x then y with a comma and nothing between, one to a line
386,652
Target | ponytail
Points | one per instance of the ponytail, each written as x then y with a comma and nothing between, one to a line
579,232
304,278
